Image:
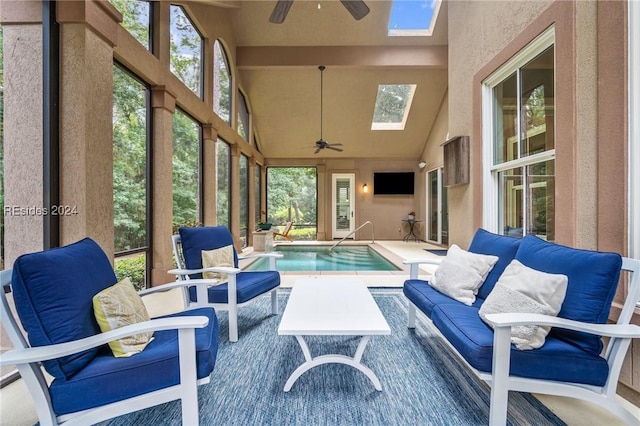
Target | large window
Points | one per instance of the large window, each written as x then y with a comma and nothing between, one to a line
130,177
186,50
519,144
221,83
243,117
292,197
186,170
244,199
257,182
223,182
136,18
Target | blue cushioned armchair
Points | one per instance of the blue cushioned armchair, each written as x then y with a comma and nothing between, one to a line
52,293
242,286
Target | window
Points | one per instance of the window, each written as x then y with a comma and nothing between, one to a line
257,181
244,199
223,182
221,83
136,18
519,145
413,17
243,117
437,208
392,106
292,197
186,50
131,206
186,170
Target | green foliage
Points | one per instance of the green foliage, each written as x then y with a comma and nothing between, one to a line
391,103
133,267
186,154
292,195
185,49
223,155
129,161
135,18
221,83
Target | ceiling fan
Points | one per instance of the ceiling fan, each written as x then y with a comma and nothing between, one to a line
357,8
321,143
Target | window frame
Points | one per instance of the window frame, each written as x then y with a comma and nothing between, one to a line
490,171
243,112
396,125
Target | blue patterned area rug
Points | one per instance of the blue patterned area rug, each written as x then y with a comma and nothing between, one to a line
423,382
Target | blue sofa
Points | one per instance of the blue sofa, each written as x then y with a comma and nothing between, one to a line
569,355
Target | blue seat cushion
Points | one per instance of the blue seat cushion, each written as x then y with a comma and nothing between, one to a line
593,280
555,360
485,242
249,284
425,297
195,240
107,379
53,293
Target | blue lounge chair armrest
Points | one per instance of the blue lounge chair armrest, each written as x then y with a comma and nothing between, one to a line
610,330
43,353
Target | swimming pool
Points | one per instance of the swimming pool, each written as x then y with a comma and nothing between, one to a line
320,258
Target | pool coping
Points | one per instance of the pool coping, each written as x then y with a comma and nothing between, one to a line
391,279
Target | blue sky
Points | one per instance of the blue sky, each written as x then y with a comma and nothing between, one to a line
411,14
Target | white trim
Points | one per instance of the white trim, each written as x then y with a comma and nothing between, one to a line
634,129
490,183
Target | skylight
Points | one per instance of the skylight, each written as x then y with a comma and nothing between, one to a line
413,17
392,106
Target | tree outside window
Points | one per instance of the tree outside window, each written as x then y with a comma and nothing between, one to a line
186,50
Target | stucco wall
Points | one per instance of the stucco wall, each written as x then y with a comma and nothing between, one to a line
477,32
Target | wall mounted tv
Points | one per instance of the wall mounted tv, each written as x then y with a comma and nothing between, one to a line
393,183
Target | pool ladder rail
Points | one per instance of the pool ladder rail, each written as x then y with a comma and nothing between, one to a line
356,230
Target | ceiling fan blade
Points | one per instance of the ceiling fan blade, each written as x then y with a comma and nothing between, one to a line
280,11
335,144
357,8
334,148
318,150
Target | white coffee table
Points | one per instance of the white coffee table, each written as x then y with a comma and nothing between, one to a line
332,307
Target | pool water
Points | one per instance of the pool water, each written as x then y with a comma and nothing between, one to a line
320,258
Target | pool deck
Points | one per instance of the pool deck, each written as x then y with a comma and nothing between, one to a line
394,251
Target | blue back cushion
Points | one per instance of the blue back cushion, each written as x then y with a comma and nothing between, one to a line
194,240
53,292
484,242
593,280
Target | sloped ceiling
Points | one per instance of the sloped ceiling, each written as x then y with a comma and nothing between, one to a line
278,66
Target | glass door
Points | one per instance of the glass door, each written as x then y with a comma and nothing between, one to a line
437,208
343,204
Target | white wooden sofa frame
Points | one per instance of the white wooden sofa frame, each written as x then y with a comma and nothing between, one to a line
27,360
620,335
202,297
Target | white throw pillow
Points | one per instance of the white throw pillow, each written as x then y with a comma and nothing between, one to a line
222,256
521,289
461,273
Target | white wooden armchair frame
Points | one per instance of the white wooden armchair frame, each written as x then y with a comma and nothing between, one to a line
27,360
620,337
202,297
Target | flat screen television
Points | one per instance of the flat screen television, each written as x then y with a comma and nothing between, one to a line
393,183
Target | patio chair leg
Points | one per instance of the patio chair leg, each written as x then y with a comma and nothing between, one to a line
411,315
274,302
